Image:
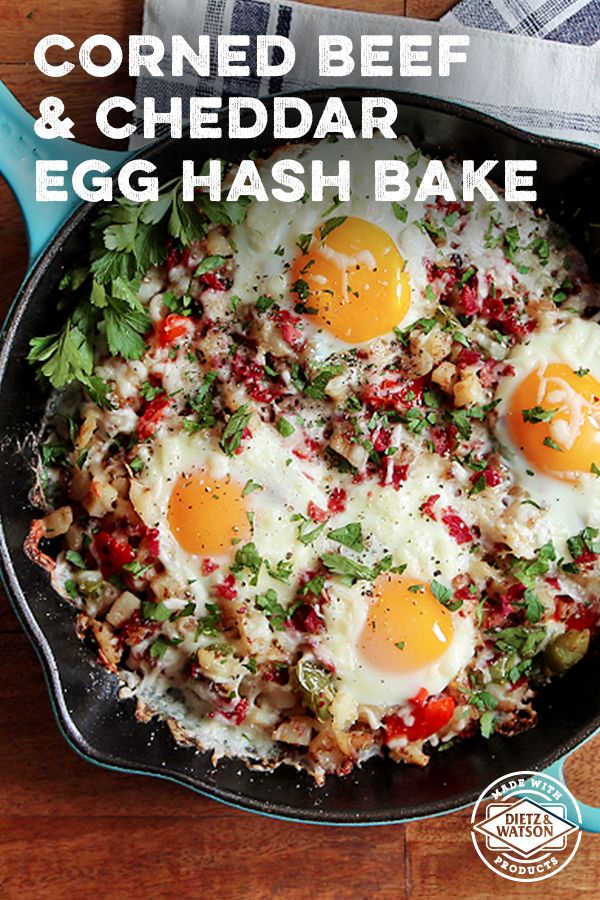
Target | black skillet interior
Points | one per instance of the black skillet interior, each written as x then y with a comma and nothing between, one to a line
84,694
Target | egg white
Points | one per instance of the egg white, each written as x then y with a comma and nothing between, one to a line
266,456
567,506
391,521
272,224
346,614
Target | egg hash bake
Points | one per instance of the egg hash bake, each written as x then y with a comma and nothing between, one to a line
322,479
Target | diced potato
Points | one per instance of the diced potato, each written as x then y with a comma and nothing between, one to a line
344,710
217,244
88,427
468,391
355,454
269,337
80,483
122,609
297,731
151,284
339,387
58,522
325,751
444,376
100,498
429,349
220,665
74,537
165,586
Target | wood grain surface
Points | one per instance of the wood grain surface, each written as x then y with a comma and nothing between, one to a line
71,830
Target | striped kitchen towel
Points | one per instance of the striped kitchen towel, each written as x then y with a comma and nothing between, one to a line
544,86
570,21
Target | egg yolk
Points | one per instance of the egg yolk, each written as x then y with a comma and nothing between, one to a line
554,419
355,280
206,514
407,628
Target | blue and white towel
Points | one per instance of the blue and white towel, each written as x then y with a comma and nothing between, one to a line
570,21
544,86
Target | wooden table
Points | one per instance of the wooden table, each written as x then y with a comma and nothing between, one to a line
68,829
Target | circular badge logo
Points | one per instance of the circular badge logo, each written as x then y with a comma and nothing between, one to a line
526,826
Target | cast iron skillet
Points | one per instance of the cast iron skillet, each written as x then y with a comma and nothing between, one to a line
104,729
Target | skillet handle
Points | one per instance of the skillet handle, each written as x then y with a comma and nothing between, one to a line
20,147
590,815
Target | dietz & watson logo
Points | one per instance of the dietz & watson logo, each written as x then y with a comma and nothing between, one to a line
526,826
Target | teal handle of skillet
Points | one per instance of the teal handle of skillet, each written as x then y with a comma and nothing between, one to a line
20,148
590,815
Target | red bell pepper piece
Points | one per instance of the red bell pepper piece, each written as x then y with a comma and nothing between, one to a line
429,717
173,328
112,553
153,413
584,618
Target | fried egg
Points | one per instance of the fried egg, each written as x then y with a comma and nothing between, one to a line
206,515
361,262
549,424
356,279
331,538
206,504
395,639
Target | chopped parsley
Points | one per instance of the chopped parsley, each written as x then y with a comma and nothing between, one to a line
269,604
250,487
526,641
285,427
209,264
159,647
585,540
314,586
316,389
234,430
349,535
399,211
526,571
127,238
538,414
444,595
76,559
180,305
548,442
413,158
330,225
71,589
155,612
350,571
487,724
209,624
280,571
264,303
307,530
248,557
202,402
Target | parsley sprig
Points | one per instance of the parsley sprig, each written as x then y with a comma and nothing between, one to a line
102,295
